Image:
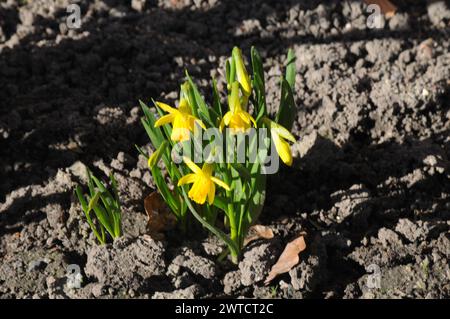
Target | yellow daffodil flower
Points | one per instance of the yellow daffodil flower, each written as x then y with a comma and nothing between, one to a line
241,72
204,182
237,119
183,122
279,134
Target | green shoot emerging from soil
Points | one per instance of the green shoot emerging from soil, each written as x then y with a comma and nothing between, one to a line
101,208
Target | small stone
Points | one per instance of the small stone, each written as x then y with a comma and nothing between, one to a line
400,21
26,16
438,12
78,169
430,160
98,290
138,5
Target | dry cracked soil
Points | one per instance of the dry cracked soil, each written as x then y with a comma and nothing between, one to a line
370,184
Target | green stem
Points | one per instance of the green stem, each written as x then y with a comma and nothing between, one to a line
234,250
234,235
234,231
241,228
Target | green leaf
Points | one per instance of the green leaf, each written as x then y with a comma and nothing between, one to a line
217,107
290,69
199,102
231,73
115,189
108,215
167,128
81,198
220,202
258,84
165,192
106,196
93,201
258,196
104,219
287,111
237,185
153,133
258,70
141,151
231,245
156,156
86,211
242,171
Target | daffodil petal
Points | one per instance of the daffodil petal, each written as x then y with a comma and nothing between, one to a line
245,117
211,193
221,125
192,166
253,121
180,134
195,194
199,122
166,107
283,149
184,106
220,183
234,101
199,191
207,169
227,118
284,133
187,179
165,119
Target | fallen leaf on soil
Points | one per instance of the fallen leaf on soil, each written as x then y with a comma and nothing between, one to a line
258,232
160,218
386,7
288,259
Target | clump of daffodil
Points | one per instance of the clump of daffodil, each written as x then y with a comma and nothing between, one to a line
236,118
203,182
183,122
280,135
240,195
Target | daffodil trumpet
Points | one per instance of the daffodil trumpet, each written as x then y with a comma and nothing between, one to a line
237,119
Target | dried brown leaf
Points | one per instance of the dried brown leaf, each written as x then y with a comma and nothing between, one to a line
258,232
160,218
288,259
